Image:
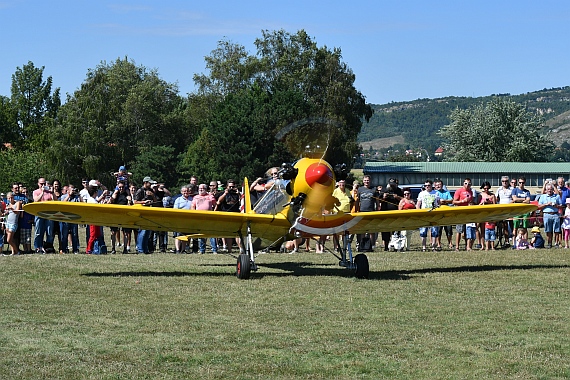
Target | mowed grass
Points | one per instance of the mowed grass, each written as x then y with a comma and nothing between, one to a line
458,315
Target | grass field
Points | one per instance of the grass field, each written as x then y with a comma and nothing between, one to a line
455,315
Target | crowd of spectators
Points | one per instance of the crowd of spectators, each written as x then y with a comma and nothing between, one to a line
25,233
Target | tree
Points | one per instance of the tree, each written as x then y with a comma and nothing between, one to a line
498,131
120,112
239,140
34,105
288,63
8,124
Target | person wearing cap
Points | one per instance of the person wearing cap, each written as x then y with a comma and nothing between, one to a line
123,176
537,240
142,197
566,223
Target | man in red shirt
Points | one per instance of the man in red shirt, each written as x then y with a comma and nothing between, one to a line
462,197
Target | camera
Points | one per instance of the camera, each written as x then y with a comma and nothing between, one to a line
46,188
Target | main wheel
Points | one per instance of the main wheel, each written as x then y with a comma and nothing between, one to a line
243,268
361,263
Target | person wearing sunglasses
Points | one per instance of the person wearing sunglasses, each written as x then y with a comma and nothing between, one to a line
204,201
521,195
505,196
428,199
463,197
43,227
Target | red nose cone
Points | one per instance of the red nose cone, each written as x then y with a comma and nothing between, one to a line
318,173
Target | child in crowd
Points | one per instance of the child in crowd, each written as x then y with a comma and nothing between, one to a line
537,240
521,240
490,236
566,223
470,234
122,176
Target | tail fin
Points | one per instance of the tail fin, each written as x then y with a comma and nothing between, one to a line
247,196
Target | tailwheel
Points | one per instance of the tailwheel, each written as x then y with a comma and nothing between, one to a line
243,267
361,268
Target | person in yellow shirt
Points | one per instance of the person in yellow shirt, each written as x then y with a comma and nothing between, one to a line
345,203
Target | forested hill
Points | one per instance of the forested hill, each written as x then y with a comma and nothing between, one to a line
416,123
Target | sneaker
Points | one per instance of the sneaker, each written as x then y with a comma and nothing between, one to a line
113,252
549,246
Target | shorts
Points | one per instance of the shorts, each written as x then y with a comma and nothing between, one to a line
470,232
566,234
551,223
521,221
433,231
460,228
114,229
490,234
12,227
25,236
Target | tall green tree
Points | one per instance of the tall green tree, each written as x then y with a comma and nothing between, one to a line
500,130
8,124
239,140
34,105
293,64
120,111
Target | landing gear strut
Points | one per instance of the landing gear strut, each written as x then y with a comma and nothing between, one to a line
246,261
360,262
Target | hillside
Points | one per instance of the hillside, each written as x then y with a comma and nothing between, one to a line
416,123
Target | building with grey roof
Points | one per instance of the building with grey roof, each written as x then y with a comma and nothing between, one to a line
453,173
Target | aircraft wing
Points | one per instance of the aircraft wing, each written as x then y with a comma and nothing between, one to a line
385,221
199,223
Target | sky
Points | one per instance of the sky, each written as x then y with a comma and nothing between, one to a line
398,50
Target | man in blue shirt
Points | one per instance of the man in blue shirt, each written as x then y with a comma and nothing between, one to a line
549,203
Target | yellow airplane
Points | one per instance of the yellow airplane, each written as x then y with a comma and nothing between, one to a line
292,208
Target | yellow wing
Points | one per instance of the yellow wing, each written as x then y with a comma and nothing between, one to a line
384,221
203,223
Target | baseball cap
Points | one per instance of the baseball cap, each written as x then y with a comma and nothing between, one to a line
535,229
148,179
93,183
122,168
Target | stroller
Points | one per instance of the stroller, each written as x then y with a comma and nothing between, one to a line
398,241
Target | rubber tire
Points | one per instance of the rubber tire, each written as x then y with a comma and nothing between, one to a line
362,269
243,267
